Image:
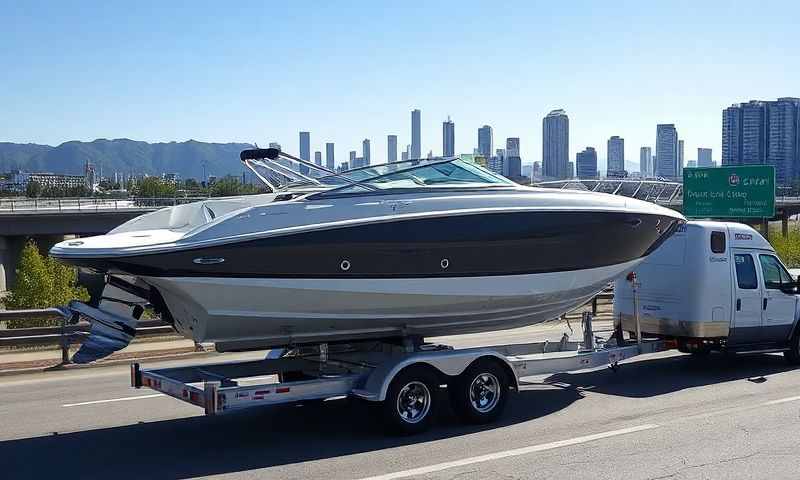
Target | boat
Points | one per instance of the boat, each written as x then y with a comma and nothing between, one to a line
418,248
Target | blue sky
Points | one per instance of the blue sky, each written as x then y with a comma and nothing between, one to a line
262,71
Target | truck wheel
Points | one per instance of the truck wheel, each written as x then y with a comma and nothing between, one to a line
793,354
479,394
410,403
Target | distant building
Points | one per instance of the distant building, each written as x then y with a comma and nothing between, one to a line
571,170
391,154
405,154
537,169
18,181
330,161
172,178
513,162
555,145
275,145
680,158
305,146
365,155
448,138
586,163
485,141
495,164
416,135
514,167
352,162
646,162
764,132
666,151
615,157
704,157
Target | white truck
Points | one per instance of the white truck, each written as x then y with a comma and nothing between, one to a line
714,286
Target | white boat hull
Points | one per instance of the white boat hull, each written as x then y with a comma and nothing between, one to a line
240,313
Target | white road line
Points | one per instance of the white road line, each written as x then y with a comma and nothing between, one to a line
509,453
781,400
123,399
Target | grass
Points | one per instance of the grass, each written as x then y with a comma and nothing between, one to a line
788,248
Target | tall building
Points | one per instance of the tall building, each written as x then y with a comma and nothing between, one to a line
570,169
555,145
513,161
485,141
645,161
783,139
666,150
352,162
391,154
318,158
365,153
448,138
305,146
416,135
764,132
586,163
330,162
680,158
615,157
704,157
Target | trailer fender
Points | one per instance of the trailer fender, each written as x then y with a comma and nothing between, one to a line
450,363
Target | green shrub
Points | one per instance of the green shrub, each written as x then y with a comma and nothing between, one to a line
42,282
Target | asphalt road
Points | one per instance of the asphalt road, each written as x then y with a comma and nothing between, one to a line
660,416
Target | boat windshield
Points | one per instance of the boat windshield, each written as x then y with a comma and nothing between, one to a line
285,173
413,174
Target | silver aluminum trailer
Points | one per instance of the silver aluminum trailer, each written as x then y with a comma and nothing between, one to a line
405,377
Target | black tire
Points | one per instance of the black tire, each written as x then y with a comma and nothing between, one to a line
480,393
793,354
411,401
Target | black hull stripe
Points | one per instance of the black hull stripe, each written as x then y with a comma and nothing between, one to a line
491,244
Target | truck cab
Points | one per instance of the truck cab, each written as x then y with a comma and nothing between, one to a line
714,286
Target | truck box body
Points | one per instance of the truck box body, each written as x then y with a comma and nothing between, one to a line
688,286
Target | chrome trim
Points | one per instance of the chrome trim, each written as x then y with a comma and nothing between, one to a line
676,328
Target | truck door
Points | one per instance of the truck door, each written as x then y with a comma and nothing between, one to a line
779,300
747,300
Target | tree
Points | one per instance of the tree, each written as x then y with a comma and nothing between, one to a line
33,189
154,187
42,283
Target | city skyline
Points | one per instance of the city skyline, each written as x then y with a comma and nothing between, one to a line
223,98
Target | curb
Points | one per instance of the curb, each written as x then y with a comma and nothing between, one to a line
108,363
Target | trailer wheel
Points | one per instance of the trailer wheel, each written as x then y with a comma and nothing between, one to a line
793,354
479,394
410,403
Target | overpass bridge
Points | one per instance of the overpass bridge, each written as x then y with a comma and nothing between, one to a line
51,220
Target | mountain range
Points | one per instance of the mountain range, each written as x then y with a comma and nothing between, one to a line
122,155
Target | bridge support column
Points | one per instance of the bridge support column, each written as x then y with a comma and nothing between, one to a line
10,248
785,225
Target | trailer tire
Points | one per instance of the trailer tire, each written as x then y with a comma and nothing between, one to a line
411,401
480,393
793,354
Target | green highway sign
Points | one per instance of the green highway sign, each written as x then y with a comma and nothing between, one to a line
724,192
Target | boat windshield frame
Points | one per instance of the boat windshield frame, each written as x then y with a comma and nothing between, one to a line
416,164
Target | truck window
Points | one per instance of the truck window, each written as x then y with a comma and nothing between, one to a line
745,272
775,276
718,242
